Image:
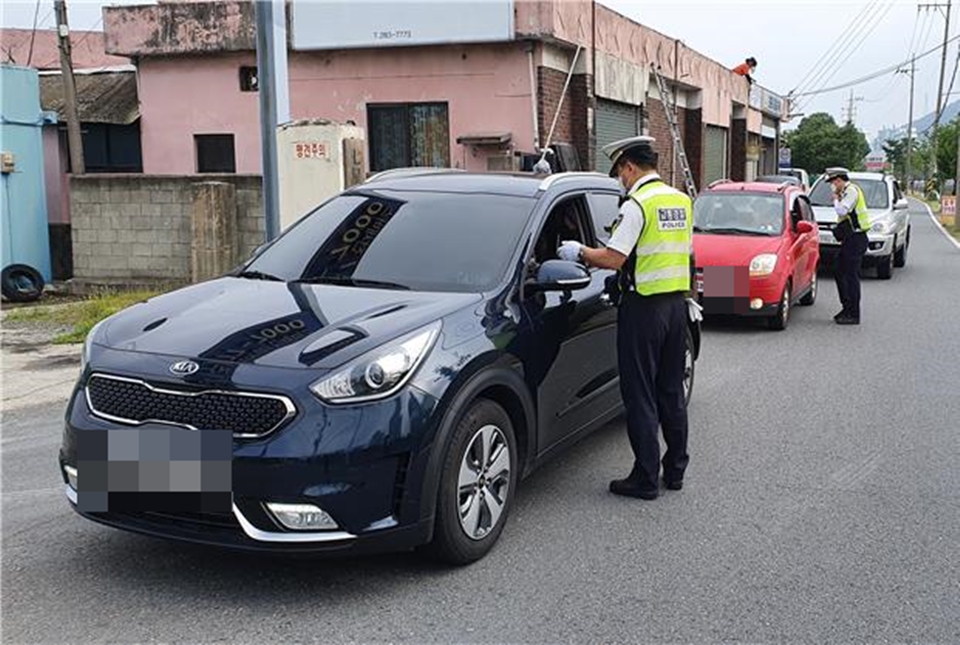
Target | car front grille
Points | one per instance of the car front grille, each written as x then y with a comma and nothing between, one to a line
133,401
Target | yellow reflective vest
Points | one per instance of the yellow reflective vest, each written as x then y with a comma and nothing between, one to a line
860,210
664,247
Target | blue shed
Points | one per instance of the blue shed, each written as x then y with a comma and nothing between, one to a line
24,235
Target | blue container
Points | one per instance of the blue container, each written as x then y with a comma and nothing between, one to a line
24,234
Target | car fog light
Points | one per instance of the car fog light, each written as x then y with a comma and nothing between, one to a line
302,517
756,303
71,476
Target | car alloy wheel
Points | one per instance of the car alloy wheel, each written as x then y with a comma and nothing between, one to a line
479,474
780,319
484,482
811,296
688,369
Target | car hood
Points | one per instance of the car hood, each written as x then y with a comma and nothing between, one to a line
731,250
276,324
827,214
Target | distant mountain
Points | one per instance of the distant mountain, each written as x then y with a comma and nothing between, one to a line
949,114
921,126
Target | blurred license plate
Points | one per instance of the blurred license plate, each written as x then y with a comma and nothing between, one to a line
698,281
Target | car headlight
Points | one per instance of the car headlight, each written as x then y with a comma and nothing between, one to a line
763,264
380,373
883,227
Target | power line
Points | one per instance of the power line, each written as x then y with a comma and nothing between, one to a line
852,30
841,38
879,73
857,43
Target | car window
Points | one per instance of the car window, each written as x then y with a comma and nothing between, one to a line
567,220
604,209
805,209
738,212
874,191
427,241
897,194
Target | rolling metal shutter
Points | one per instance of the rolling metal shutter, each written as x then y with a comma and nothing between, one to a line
714,154
613,121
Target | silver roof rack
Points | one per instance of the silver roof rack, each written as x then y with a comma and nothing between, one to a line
394,173
550,180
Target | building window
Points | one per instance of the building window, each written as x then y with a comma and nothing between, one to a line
215,153
404,135
249,81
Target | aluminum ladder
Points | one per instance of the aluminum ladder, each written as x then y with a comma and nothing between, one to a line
678,149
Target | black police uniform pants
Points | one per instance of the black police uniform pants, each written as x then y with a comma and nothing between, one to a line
847,273
651,343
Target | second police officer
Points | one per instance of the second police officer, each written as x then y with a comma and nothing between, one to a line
851,231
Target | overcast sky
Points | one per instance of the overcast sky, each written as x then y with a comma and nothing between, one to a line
786,36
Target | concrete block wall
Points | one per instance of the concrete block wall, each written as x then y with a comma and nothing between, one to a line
135,230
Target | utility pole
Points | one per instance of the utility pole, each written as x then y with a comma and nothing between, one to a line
913,72
943,71
74,139
274,101
851,117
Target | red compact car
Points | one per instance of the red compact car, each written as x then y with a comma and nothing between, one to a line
757,248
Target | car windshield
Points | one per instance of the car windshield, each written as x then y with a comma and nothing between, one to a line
738,213
874,191
425,241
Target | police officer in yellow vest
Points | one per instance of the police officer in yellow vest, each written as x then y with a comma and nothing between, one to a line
650,247
851,231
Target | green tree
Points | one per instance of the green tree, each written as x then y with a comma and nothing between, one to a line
818,143
947,151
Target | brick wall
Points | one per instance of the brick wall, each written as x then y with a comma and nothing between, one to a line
693,143
549,88
659,129
133,230
582,102
738,150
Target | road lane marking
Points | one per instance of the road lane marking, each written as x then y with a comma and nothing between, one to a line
952,239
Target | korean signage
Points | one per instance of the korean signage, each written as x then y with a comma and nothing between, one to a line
341,24
311,150
786,156
948,210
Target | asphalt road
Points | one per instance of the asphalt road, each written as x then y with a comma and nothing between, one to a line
822,504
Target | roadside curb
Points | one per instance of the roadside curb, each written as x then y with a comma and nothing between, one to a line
946,234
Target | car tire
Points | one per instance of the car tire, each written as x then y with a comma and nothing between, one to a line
900,257
811,297
780,320
885,267
474,501
689,367
21,283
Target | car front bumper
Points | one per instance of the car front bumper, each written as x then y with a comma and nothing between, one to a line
364,465
878,245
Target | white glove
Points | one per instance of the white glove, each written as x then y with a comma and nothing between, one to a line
694,310
569,251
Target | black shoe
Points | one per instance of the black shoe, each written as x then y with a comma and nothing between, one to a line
847,320
629,488
841,314
673,485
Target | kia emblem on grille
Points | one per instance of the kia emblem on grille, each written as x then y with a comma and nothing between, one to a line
184,368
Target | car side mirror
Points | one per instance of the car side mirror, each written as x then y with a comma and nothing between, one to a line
901,205
804,227
561,275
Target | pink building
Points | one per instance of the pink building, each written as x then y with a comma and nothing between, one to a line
475,105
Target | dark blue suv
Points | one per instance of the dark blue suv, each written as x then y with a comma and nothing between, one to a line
379,377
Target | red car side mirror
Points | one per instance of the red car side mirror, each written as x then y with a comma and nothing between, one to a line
804,227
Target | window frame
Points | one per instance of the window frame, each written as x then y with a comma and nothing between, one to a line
207,136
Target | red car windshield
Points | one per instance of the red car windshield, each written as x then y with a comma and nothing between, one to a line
736,213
